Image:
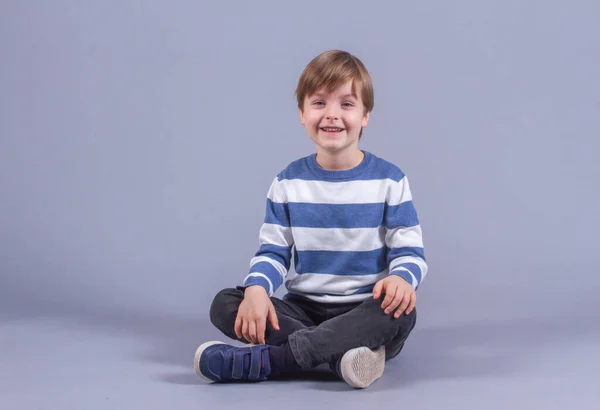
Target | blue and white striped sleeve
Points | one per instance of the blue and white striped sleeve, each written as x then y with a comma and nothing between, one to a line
406,256
270,265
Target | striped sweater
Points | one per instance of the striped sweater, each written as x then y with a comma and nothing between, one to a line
345,229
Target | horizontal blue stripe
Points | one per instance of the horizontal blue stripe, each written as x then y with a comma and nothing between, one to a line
371,168
282,254
270,271
406,251
413,267
342,263
307,215
403,215
277,213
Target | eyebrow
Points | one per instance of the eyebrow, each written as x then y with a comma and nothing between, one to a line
342,97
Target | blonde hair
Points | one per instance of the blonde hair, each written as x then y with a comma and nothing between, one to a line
333,69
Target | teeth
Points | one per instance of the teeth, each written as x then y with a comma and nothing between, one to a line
332,129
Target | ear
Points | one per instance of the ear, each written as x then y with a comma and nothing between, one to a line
302,120
365,120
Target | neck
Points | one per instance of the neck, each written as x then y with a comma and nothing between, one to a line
339,161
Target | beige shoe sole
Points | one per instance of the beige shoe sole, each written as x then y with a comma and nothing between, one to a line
362,366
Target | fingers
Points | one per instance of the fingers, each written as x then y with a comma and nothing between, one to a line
390,292
251,323
396,299
273,317
237,327
413,302
252,332
245,330
260,330
261,327
377,289
404,302
408,303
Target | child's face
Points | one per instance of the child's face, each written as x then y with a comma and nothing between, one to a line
334,120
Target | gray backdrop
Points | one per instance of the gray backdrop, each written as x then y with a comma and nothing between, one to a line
138,141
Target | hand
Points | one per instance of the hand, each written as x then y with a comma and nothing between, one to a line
252,315
398,294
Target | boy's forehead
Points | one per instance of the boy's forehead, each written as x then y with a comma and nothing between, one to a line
342,91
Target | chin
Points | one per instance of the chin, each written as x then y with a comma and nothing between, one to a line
330,144
333,148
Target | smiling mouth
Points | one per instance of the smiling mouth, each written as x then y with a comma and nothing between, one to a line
331,129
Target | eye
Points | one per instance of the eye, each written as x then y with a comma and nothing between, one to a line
318,102
348,104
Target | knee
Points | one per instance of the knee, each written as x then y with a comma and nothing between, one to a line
402,324
406,321
398,329
410,320
225,306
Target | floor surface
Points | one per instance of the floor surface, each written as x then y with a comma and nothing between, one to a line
129,361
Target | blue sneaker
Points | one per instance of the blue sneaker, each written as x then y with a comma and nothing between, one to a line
220,362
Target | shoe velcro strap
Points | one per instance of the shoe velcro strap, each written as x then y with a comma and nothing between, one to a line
255,363
237,370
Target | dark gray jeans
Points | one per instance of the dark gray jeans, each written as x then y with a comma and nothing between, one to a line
321,333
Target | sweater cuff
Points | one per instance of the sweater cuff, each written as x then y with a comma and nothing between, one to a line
260,280
406,275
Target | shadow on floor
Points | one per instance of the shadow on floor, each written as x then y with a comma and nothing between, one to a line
471,350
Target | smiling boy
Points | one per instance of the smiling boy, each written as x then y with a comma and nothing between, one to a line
348,218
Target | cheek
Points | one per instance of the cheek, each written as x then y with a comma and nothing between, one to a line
359,121
353,121
312,119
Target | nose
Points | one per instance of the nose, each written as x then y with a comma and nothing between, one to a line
332,114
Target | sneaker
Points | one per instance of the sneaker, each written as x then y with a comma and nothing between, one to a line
360,367
220,362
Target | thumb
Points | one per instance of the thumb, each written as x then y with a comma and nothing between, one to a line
377,289
272,315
